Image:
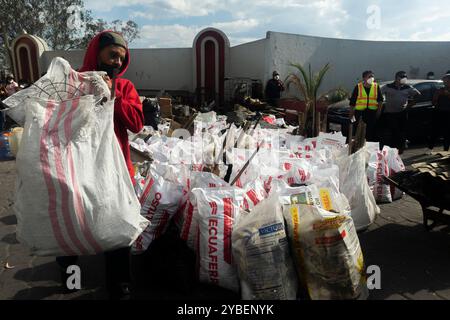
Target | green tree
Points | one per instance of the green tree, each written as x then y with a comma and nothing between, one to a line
63,24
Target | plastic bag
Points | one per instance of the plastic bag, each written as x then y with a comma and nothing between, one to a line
218,211
327,252
261,249
74,193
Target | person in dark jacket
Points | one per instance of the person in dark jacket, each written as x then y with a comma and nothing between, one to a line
441,115
398,95
274,88
108,51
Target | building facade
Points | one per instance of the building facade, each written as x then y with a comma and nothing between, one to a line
211,63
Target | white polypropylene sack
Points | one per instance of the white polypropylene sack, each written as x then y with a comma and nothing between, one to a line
189,229
74,194
254,193
330,140
396,165
261,251
299,172
218,211
327,252
377,168
160,201
353,184
325,195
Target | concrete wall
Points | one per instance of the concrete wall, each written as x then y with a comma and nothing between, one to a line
349,58
150,69
161,69
75,58
248,60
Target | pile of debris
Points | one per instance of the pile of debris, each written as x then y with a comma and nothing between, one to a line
235,195
428,181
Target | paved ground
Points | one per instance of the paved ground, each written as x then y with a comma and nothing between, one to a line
414,263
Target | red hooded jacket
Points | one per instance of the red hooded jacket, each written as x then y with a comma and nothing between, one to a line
127,108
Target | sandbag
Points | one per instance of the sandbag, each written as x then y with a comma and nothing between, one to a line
299,172
378,168
261,250
396,165
160,201
354,185
189,229
74,194
327,252
254,193
218,211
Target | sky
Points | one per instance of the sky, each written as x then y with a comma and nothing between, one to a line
174,23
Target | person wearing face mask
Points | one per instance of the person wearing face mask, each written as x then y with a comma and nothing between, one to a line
366,102
398,94
11,85
108,51
441,116
274,88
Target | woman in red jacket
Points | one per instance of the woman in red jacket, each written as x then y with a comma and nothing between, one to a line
108,51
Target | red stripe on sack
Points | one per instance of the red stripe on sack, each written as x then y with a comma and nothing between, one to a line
61,178
213,206
227,229
146,192
46,172
253,196
245,204
197,246
162,224
71,89
78,199
287,166
187,222
302,174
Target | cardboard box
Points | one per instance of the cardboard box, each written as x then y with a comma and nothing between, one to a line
166,107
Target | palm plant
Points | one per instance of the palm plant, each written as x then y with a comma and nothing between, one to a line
308,84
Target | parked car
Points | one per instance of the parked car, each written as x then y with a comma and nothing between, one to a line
419,116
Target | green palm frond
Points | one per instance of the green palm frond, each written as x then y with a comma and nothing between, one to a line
308,84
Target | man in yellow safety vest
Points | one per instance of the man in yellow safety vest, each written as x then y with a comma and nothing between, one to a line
366,103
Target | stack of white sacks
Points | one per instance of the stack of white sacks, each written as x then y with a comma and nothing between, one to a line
290,220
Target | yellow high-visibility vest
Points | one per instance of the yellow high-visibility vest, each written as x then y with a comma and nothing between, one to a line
365,101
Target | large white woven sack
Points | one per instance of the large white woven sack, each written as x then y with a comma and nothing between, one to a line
74,194
354,185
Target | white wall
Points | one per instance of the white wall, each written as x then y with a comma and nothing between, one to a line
75,58
248,60
349,58
150,69
156,69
